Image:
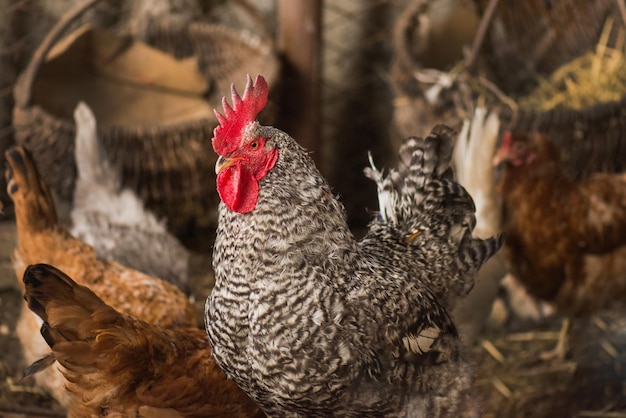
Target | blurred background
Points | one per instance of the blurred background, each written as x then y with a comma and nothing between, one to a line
346,78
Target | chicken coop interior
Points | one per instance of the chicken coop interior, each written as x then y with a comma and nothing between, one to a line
112,178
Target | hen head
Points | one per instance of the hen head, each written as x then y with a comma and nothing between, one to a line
516,149
244,156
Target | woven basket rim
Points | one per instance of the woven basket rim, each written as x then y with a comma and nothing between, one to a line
161,162
242,39
408,22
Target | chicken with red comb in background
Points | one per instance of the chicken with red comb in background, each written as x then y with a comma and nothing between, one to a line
566,238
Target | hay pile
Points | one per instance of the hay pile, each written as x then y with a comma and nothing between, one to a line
515,380
595,77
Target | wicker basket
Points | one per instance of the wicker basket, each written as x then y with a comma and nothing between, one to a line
169,164
536,36
590,139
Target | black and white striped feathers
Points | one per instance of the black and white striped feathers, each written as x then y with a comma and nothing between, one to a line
311,322
422,203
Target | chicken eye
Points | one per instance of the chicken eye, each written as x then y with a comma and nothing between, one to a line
254,144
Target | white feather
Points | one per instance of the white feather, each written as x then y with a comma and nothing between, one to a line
472,157
386,199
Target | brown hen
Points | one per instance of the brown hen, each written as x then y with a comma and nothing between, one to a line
565,238
117,365
41,239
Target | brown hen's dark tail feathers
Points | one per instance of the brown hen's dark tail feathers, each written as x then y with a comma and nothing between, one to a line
34,205
58,300
48,287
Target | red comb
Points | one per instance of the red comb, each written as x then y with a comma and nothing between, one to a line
236,118
507,139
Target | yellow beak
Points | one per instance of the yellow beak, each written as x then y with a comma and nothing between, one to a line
224,162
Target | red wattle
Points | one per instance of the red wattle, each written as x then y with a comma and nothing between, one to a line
238,188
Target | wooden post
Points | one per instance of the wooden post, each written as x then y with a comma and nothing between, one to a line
299,39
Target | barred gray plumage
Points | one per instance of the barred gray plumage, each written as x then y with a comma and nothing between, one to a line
421,196
311,322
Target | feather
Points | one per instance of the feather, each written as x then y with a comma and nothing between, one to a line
39,365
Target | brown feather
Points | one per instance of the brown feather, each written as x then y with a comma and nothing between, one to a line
122,364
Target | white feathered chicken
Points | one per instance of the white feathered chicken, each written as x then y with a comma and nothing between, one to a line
113,220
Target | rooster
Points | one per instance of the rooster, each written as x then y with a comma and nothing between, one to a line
41,239
566,239
311,322
117,365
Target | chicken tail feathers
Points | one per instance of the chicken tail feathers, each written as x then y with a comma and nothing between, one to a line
58,300
423,206
473,253
427,158
71,314
423,181
39,365
33,202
